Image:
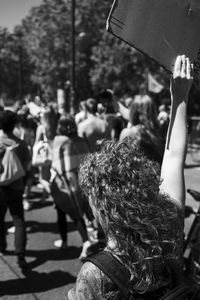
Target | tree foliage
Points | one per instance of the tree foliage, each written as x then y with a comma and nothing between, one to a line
15,65
102,60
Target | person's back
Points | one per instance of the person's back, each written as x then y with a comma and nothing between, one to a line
9,139
74,149
68,151
12,194
93,128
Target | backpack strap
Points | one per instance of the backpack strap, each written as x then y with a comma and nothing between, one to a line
113,268
179,292
183,286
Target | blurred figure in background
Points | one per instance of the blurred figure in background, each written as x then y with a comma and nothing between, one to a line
82,115
26,131
106,111
11,195
46,131
144,127
93,128
68,151
163,114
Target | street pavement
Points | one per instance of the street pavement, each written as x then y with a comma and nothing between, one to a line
52,271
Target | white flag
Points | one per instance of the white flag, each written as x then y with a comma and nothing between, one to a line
153,85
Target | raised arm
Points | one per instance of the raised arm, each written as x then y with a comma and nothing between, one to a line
172,171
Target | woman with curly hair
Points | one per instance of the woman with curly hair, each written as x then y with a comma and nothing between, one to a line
141,213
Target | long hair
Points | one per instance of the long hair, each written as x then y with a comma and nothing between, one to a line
123,188
143,112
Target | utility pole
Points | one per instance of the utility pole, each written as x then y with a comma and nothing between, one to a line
20,71
73,59
20,64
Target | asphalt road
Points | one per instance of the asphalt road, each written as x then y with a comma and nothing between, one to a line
52,271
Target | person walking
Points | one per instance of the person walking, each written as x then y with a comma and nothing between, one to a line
11,194
68,151
93,128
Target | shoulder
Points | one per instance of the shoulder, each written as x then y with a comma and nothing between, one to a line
88,283
61,140
83,123
102,121
129,132
89,271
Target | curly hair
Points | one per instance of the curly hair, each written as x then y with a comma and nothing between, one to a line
123,186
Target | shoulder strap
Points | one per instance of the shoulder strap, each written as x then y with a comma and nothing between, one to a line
179,292
62,160
110,265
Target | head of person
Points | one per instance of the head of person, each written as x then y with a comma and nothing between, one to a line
91,106
143,111
143,89
82,105
106,100
122,186
8,121
67,126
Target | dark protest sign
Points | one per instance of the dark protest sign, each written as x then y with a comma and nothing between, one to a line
161,29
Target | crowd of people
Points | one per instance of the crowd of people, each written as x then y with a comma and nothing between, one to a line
124,174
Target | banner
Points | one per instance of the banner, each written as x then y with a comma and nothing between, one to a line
162,29
153,85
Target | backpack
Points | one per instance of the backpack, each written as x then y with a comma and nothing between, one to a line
114,269
41,154
11,167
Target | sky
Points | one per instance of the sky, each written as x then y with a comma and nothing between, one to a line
13,11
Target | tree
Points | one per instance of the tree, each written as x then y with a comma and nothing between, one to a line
14,63
46,30
101,60
120,67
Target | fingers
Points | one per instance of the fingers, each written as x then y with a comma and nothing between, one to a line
189,69
177,67
183,68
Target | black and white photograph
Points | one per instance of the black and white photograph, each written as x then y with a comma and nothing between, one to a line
99,149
